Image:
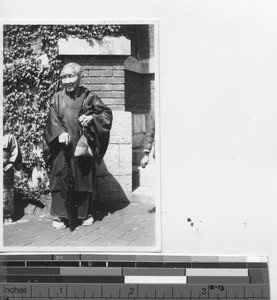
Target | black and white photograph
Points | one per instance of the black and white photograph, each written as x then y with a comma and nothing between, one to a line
81,136
139,135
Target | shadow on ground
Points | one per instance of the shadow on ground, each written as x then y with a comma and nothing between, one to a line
20,206
110,197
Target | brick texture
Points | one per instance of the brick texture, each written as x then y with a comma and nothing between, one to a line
139,92
105,76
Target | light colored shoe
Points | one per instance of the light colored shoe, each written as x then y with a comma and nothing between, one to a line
59,224
8,221
88,221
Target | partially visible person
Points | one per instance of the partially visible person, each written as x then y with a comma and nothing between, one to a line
149,139
72,109
11,160
149,143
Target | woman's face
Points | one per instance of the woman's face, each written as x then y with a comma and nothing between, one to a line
70,79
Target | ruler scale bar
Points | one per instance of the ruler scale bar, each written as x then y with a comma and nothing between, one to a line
81,298
138,258
11,273
142,277
126,279
137,265
5,262
133,291
101,277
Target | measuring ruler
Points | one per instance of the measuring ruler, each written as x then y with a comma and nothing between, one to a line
92,276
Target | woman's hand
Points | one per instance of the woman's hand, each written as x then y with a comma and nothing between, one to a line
85,120
64,138
8,166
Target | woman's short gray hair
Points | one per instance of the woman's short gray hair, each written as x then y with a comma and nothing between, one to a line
75,67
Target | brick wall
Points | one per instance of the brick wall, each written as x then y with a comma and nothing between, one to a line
139,92
105,77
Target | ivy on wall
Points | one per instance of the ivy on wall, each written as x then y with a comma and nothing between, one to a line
30,78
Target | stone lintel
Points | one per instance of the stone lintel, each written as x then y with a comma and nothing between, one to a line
107,46
144,66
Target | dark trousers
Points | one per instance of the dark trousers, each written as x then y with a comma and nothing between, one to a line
83,204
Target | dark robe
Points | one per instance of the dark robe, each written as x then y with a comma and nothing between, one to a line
11,154
65,109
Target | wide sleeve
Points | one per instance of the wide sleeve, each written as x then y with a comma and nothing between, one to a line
54,125
150,131
15,157
99,128
53,128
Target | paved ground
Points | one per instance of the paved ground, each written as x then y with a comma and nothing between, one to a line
130,226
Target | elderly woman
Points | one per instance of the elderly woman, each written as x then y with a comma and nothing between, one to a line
72,109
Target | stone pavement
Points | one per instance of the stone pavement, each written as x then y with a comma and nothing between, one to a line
130,226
